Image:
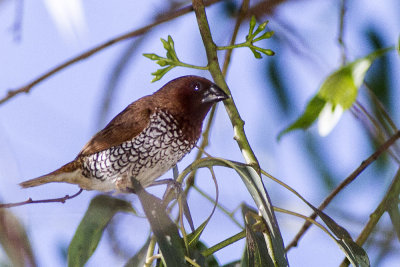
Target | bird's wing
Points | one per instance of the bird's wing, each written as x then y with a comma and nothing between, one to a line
125,126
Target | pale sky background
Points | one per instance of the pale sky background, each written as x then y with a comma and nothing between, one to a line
46,128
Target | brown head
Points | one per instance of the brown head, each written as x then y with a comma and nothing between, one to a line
190,97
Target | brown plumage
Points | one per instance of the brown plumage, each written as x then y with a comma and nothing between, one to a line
144,141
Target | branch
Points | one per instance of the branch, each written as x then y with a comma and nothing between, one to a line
30,201
27,88
227,60
273,238
343,184
391,197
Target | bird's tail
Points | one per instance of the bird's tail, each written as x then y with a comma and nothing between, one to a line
66,173
49,178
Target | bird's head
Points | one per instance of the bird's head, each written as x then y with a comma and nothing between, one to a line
191,96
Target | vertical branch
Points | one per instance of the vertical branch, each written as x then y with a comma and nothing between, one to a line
216,73
255,186
227,60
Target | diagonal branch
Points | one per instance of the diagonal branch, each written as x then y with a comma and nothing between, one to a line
27,88
343,184
391,197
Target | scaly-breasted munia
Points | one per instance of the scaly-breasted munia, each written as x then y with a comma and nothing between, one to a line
143,141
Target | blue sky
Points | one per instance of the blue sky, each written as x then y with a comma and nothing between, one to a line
46,128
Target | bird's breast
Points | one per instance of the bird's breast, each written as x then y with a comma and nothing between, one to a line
145,157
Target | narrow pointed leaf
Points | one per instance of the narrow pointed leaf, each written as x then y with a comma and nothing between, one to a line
260,28
253,182
164,229
139,259
196,254
165,44
354,253
14,240
160,73
101,210
311,113
256,53
152,56
339,88
251,28
265,35
257,251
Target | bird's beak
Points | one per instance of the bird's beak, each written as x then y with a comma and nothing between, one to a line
214,94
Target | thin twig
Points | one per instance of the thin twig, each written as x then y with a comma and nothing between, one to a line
30,201
343,184
379,128
26,88
341,31
242,14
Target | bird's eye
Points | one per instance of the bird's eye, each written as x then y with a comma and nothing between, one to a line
196,86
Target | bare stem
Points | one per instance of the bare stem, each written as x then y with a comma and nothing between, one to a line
30,201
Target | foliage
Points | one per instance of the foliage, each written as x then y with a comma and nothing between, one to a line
169,243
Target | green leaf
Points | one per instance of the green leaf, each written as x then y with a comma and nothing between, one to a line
255,186
164,229
101,210
253,22
394,213
354,253
265,35
311,113
256,54
196,254
260,28
257,251
152,56
194,237
139,259
160,73
266,51
165,44
339,88
15,241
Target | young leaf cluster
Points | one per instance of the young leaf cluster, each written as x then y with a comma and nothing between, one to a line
255,35
170,61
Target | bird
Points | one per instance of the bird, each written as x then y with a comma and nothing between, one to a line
145,140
